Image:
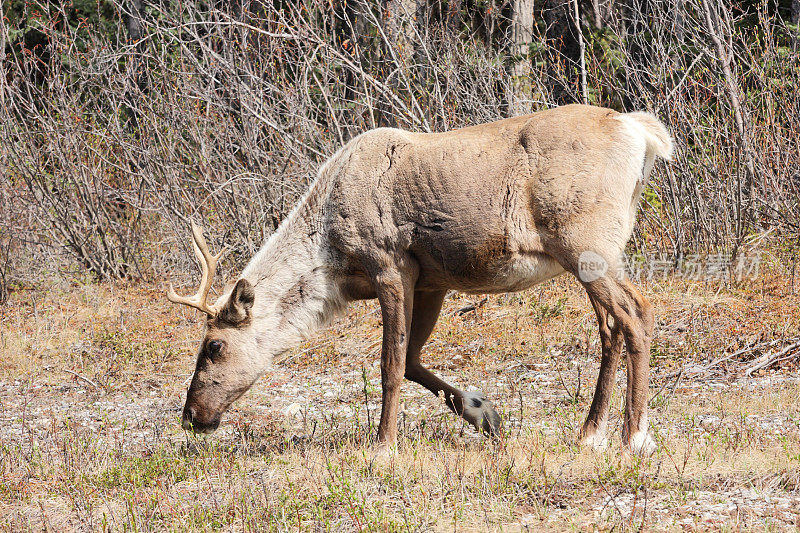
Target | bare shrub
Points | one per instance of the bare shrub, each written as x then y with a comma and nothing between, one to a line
120,133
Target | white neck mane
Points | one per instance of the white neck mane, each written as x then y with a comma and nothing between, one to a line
295,292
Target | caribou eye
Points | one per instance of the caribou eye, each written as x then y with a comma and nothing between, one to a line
213,348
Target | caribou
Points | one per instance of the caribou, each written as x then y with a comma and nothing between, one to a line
406,217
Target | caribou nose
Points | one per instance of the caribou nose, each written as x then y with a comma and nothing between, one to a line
188,418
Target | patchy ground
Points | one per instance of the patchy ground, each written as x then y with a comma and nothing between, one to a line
92,379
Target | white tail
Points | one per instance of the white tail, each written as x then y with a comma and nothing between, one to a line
659,141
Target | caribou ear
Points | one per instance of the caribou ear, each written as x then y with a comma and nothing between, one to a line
239,305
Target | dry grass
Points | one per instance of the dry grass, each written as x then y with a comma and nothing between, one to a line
93,375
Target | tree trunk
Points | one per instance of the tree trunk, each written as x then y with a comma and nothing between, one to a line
137,74
453,16
639,53
601,10
564,51
520,38
398,38
352,31
796,22
398,28
584,90
720,31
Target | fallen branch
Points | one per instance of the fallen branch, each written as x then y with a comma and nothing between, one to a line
666,382
771,358
696,370
87,380
471,307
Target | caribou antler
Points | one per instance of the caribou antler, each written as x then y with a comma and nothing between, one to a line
208,265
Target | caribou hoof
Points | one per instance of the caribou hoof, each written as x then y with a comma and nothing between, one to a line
597,442
480,412
384,452
642,444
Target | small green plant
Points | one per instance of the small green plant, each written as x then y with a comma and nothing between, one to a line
544,310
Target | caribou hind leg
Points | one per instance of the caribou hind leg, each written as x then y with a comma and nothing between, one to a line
594,429
624,315
633,315
472,406
642,321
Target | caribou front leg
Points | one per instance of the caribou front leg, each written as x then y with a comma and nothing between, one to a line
472,406
395,290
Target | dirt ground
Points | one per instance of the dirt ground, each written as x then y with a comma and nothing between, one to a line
92,379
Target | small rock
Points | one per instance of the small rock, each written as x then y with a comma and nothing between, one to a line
291,410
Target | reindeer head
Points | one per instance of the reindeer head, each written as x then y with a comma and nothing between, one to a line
226,363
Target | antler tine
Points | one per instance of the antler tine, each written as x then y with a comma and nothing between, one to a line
208,266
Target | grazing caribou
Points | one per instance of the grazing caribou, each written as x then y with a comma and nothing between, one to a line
404,217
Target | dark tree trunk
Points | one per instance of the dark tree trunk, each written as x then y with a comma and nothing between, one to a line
561,35
453,19
137,72
351,33
601,12
133,20
640,52
391,17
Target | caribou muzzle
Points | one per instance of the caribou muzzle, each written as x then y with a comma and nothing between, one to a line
198,421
